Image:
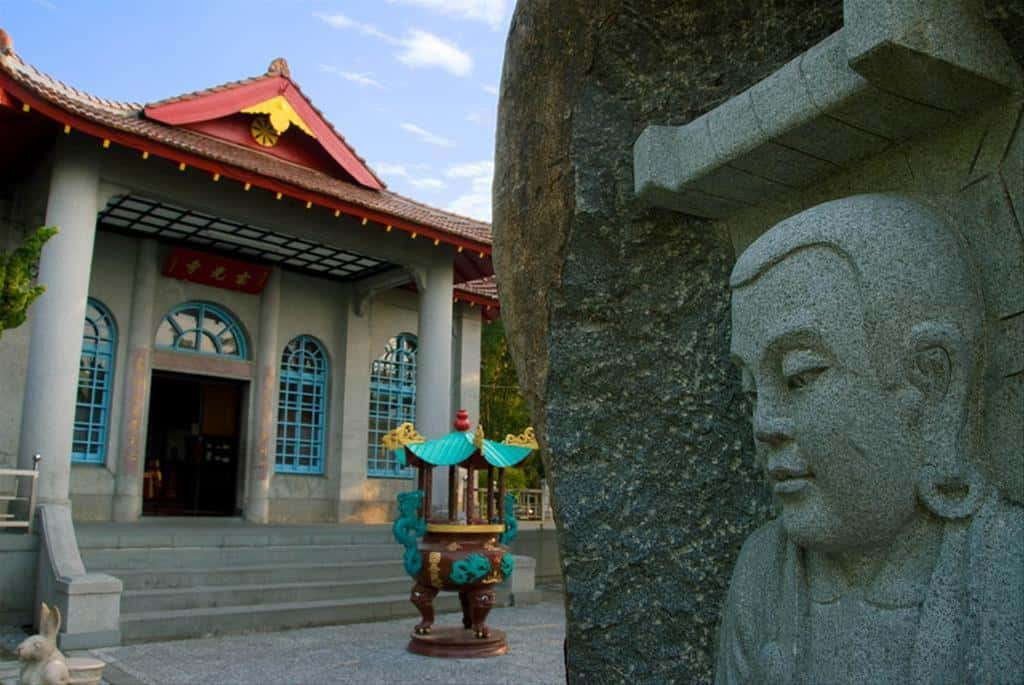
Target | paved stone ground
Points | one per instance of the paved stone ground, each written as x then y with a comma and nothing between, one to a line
358,654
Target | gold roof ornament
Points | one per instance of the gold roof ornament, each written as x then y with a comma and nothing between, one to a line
478,437
263,132
281,114
405,434
524,439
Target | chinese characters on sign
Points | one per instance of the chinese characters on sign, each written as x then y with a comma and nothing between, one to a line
220,272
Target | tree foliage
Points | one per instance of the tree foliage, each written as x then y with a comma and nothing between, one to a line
18,289
502,407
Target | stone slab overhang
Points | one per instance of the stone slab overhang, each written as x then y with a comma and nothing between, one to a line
897,69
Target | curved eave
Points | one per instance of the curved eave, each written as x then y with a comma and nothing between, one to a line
478,260
220,104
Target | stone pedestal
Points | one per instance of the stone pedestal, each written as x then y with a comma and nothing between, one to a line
458,643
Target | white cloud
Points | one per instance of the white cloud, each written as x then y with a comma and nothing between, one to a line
363,79
492,12
417,49
338,21
428,183
474,117
489,89
483,169
341,21
477,201
386,169
422,49
426,136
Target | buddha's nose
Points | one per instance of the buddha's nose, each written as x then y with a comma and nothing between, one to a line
772,431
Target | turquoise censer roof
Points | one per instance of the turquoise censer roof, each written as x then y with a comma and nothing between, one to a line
457,447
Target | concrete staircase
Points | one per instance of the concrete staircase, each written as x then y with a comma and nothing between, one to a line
186,578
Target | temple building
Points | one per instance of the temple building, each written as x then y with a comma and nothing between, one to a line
237,308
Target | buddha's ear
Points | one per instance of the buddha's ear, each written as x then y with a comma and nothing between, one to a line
940,365
937,362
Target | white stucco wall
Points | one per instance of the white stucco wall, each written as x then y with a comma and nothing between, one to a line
110,282
316,307
309,305
372,499
22,209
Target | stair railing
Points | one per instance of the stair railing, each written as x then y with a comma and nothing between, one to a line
11,516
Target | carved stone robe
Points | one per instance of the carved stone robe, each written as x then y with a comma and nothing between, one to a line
966,617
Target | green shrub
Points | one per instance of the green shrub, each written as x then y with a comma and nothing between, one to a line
18,289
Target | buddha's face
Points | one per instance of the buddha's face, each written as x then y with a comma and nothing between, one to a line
835,441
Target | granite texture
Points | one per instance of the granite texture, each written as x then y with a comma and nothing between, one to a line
860,329
618,317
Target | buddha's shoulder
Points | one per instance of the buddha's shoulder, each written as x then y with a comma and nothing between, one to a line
762,554
997,534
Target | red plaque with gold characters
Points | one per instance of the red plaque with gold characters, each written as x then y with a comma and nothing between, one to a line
220,272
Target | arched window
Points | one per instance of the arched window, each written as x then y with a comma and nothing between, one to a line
392,402
203,328
302,407
95,383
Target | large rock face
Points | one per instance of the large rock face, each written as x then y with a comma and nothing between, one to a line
618,316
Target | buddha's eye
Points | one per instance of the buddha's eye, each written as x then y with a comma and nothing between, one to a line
802,379
800,368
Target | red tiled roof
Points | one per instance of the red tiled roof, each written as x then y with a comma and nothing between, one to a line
484,287
127,117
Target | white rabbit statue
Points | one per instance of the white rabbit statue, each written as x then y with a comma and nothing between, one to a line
41,662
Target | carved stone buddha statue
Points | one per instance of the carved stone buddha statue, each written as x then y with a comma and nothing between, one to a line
860,333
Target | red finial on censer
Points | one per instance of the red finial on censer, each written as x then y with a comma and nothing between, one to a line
462,420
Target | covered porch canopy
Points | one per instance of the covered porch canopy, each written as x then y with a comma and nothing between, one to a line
249,170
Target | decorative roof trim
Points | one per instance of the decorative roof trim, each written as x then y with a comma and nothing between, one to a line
151,147
214,104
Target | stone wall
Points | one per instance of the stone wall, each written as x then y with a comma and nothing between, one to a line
18,555
618,317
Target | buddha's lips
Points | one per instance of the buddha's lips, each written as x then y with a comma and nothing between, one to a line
785,470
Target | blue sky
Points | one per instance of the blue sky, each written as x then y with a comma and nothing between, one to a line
411,84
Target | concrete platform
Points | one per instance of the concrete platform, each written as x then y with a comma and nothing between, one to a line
190,577
354,654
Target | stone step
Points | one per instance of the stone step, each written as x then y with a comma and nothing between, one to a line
156,578
111,560
166,625
211,596
100,537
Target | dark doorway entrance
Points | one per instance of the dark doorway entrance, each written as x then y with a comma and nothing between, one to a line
192,446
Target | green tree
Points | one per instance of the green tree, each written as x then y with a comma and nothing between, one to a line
18,289
502,407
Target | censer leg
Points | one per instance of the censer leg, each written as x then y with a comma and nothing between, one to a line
480,603
467,618
423,597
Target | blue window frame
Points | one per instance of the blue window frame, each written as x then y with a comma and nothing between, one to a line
202,328
392,402
95,383
302,407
